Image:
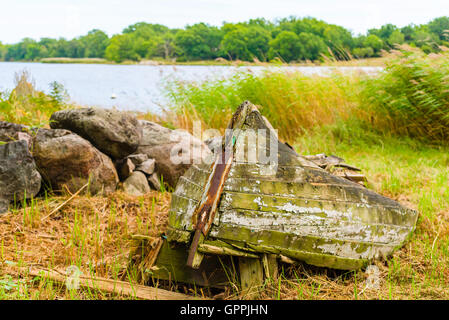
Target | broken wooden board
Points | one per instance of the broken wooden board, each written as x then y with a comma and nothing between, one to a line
170,265
293,208
113,286
207,205
251,277
337,166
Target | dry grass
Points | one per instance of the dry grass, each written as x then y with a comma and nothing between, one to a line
92,233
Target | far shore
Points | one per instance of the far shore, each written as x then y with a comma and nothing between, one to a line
369,62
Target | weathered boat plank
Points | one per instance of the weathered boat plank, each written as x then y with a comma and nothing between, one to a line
348,211
314,250
313,225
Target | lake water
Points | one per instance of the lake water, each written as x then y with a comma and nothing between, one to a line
135,87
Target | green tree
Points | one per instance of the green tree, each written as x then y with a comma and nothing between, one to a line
198,42
286,45
120,48
312,46
384,32
246,42
423,37
408,32
374,42
339,40
95,43
440,26
363,52
396,37
3,50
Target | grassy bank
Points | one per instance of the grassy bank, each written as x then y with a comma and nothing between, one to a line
75,60
367,62
359,118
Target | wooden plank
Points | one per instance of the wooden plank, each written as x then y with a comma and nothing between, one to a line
314,226
270,266
251,277
205,211
114,286
171,265
361,212
211,249
318,251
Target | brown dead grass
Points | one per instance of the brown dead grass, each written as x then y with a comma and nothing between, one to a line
92,233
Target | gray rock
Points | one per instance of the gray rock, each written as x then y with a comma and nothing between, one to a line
64,158
147,166
115,133
124,168
10,131
136,184
154,181
173,150
19,177
137,158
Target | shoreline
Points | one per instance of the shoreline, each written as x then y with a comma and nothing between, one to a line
370,62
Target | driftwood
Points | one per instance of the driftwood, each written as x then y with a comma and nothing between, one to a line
114,286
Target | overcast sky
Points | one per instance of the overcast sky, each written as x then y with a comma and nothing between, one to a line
71,18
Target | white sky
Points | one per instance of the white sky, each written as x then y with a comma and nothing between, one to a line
72,18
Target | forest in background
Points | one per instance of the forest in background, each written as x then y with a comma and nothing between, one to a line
287,40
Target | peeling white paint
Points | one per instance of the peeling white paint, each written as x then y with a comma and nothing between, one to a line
268,170
289,207
342,250
260,202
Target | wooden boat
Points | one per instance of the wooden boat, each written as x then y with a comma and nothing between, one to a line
291,209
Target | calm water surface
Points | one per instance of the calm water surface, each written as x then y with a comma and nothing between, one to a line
135,87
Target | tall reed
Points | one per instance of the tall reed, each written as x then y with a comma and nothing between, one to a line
291,101
26,105
412,96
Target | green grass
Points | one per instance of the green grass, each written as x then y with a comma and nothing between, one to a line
25,105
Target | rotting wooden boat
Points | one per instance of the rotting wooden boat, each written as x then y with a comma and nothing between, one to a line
290,209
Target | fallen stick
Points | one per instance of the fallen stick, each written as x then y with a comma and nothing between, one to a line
65,202
115,286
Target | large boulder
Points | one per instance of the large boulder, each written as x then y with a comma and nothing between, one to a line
115,133
174,150
63,157
19,177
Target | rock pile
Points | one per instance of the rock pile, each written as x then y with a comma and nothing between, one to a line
93,146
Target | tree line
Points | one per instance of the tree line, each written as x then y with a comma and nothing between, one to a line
289,39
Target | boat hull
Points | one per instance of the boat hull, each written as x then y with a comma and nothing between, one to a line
295,209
